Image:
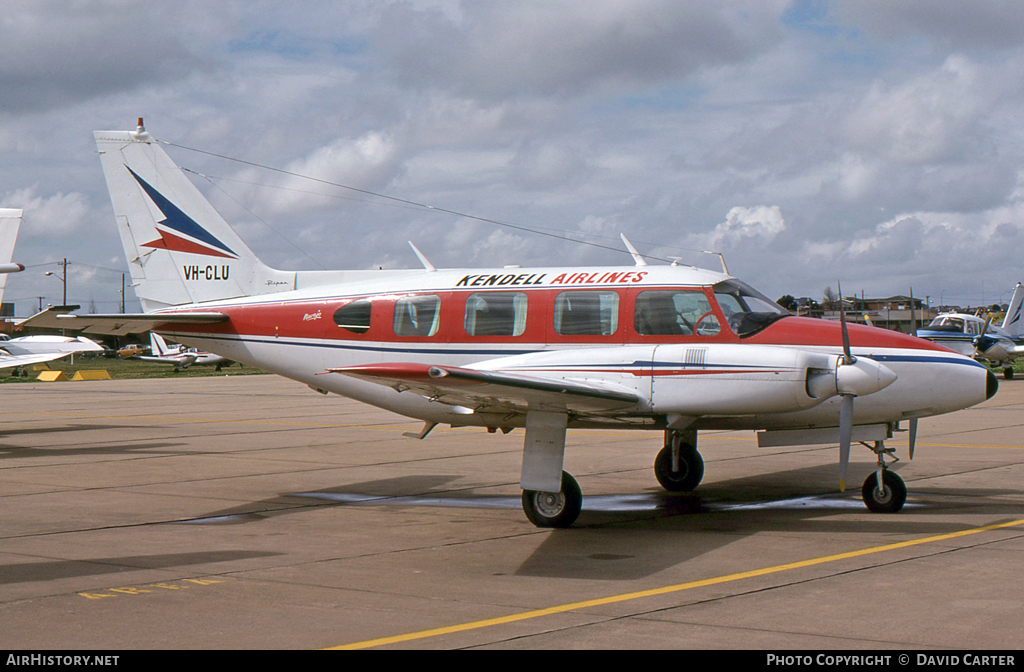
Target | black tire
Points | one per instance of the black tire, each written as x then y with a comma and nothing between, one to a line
691,469
548,509
1008,374
893,495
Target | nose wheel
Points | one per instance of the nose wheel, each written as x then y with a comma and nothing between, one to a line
889,498
883,491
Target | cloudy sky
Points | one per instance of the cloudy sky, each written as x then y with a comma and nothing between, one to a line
874,142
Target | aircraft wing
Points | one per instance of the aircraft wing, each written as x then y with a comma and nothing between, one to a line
116,324
8,361
492,391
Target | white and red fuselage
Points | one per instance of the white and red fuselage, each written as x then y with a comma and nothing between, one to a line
719,378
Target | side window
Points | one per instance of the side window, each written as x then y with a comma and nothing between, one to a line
354,317
417,315
586,313
674,313
496,314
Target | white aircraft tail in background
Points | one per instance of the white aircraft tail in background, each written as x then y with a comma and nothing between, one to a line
10,222
29,349
1013,322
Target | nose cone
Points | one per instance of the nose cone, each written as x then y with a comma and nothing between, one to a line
991,386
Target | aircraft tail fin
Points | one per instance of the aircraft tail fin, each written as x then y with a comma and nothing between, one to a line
157,345
1013,323
179,248
10,222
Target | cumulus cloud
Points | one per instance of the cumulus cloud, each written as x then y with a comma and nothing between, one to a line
366,162
55,54
500,50
995,24
48,216
760,222
928,118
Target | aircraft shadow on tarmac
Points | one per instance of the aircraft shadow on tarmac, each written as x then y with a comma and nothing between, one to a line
35,572
8,452
630,544
61,428
391,491
630,536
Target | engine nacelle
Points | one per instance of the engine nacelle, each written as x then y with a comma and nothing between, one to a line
730,379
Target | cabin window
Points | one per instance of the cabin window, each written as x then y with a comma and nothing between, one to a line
417,315
354,317
674,313
496,314
586,313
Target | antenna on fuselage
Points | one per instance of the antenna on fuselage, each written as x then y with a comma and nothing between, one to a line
721,257
423,260
632,250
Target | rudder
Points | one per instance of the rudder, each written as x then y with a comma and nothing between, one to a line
1013,323
179,248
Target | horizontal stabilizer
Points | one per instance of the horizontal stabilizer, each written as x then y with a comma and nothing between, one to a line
494,391
61,317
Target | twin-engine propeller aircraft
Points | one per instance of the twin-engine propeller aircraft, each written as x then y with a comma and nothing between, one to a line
180,356
975,337
664,348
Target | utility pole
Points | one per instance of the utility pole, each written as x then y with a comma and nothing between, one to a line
64,281
63,278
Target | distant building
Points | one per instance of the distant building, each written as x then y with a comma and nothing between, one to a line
898,313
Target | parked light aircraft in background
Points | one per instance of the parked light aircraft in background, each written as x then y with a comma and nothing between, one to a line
180,356
666,348
29,349
975,337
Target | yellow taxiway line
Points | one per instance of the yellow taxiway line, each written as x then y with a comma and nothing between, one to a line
626,597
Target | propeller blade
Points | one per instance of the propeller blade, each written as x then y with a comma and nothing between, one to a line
848,357
845,433
912,435
980,342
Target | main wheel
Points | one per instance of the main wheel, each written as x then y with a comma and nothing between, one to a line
691,469
890,498
1008,373
554,509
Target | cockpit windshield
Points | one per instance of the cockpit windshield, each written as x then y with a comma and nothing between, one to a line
747,310
947,323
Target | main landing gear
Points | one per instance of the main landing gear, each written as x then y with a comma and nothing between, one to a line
892,494
554,509
679,467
